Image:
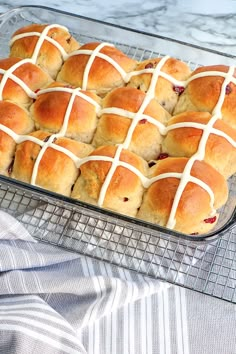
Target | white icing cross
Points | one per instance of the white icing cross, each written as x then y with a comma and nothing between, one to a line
9,74
42,37
93,54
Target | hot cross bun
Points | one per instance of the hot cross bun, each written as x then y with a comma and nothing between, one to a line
59,103
184,133
96,66
48,45
120,110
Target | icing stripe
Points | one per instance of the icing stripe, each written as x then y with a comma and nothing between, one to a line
109,176
67,114
224,135
132,115
118,111
151,71
207,189
199,126
162,176
177,82
38,159
137,73
89,64
71,91
210,73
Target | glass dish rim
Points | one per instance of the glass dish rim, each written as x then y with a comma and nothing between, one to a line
147,226
130,29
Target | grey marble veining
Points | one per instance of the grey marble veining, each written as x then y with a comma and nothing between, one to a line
208,23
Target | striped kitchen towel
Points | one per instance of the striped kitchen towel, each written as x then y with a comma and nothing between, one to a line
53,301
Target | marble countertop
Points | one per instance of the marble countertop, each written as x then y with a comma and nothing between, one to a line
210,23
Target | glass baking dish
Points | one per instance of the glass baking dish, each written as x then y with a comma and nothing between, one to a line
139,46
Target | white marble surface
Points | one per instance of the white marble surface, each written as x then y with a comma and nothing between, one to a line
208,23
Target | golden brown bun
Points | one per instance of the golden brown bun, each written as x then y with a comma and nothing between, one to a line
194,206
57,172
112,128
49,111
202,94
166,93
34,77
50,57
124,193
20,122
219,152
103,76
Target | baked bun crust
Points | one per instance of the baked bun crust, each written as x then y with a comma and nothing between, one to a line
124,192
184,141
102,76
166,92
194,213
113,128
19,121
31,75
50,109
49,58
57,171
202,94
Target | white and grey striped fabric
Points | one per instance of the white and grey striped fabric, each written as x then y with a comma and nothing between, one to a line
53,302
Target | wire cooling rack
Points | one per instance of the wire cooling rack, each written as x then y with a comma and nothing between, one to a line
209,268
206,268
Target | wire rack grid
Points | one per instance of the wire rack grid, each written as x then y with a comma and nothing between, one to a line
206,268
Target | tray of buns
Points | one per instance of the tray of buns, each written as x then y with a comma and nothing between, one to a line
115,143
